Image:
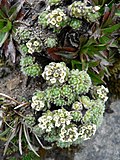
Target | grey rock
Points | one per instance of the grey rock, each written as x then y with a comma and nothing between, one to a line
105,145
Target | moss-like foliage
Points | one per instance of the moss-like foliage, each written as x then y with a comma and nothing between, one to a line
29,67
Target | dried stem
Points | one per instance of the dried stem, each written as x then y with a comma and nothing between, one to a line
6,96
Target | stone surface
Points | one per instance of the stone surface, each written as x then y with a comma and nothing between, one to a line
105,145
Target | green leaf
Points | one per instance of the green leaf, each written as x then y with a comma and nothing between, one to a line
111,29
5,132
3,37
90,42
7,26
2,15
76,63
93,63
95,78
104,39
2,23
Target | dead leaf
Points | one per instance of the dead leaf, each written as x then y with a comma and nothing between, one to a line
10,50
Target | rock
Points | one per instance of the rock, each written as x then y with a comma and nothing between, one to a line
13,83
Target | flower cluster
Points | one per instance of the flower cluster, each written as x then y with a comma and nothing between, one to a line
65,85
61,117
29,67
87,131
100,92
56,73
75,23
29,119
57,118
34,45
45,122
80,9
69,133
57,19
38,101
79,81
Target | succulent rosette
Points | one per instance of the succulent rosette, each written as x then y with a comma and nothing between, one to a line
29,67
79,81
67,113
50,42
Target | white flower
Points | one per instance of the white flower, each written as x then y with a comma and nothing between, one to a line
105,99
61,80
59,18
67,122
77,106
63,73
48,129
56,74
48,72
62,14
57,123
55,118
53,80
37,108
47,78
57,25
29,44
43,126
53,21
49,118
34,98
96,8
63,131
51,16
36,43
30,50
62,120
54,12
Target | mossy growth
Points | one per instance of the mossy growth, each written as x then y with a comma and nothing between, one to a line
29,67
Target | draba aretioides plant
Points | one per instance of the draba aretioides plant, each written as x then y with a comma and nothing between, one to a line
80,32
70,109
